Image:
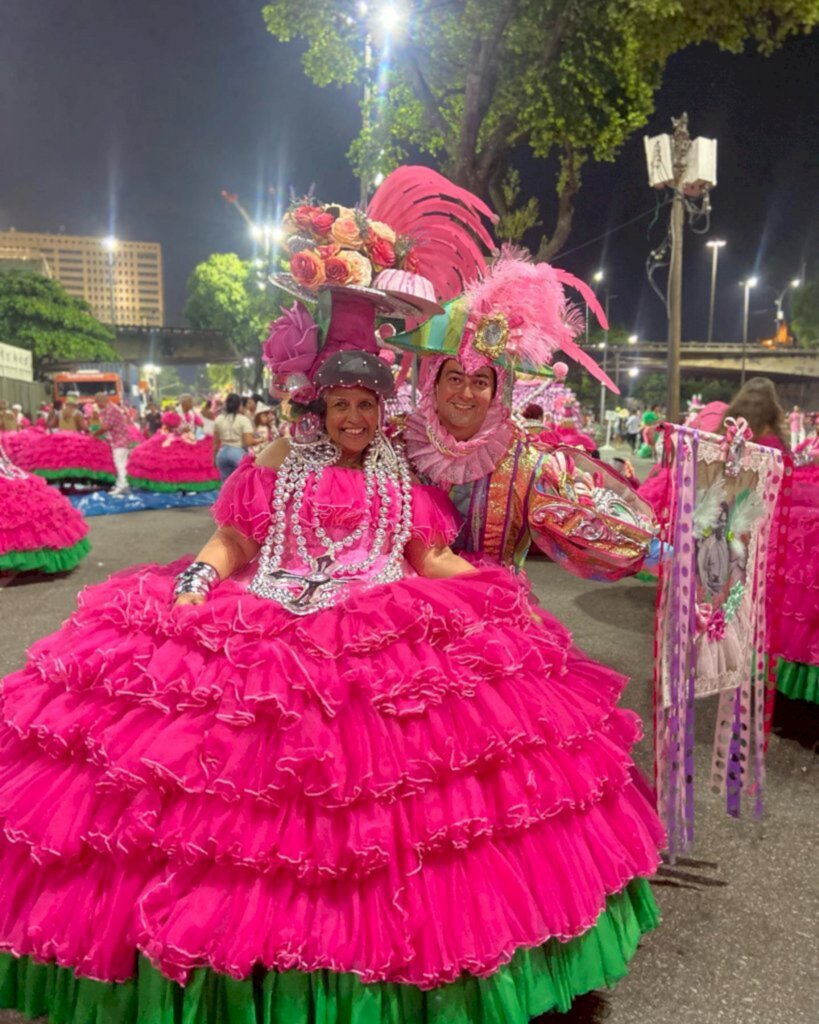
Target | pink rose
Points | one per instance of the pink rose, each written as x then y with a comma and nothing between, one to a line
336,270
322,222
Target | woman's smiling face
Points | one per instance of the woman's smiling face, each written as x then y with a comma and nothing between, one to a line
351,419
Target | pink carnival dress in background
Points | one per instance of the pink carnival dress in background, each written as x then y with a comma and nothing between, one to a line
414,803
173,461
40,531
64,456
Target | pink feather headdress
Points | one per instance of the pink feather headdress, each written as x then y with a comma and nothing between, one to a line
520,316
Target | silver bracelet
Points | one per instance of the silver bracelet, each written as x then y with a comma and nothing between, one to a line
198,578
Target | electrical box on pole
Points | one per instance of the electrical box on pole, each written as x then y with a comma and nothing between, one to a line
689,168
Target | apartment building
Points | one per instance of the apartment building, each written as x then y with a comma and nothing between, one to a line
121,281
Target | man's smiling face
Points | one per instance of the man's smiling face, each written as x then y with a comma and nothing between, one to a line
463,398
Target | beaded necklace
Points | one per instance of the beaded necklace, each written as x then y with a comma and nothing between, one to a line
321,581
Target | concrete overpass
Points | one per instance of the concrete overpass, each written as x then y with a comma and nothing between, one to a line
699,359
174,346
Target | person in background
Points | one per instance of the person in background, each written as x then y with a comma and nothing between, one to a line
114,429
633,429
263,432
232,436
8,421
152,419
22,421
69,416
191,420
758,404
208,418
796,423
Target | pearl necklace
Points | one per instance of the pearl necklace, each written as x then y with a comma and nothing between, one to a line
321,582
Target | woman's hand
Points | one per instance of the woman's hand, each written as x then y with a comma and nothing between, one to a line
189,599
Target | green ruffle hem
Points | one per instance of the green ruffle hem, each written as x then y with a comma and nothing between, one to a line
170,488
76,474
535,981
45,559
797,680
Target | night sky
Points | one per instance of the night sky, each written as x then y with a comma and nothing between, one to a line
130,117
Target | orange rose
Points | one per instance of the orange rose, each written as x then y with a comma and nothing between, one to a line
326,251
337,270
345,232
360,268
307,269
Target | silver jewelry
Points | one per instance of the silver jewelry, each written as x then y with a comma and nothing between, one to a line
7,468
317,579
198,578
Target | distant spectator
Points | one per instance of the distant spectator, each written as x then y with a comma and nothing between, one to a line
232,436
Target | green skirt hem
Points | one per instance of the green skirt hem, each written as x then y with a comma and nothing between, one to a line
536,980
169,488
45,559
798,681
76,474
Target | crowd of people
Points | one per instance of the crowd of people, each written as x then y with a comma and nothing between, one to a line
341,765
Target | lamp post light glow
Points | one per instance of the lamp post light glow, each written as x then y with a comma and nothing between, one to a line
110,244
633,339
747,285
633,371
714,245
795,283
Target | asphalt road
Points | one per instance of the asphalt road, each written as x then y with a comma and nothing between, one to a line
739,935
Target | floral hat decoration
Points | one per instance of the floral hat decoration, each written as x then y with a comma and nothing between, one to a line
419,241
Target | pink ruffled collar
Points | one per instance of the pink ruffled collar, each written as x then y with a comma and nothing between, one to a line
435,454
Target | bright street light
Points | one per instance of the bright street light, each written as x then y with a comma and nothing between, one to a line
633,339
714,245
747,285
796,283
390,16
633,371
598,276
110,243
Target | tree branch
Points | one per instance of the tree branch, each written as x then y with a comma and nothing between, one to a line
479,88
425,94
569,187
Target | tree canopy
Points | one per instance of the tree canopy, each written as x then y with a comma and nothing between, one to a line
806,314
472,82
38,314
224,294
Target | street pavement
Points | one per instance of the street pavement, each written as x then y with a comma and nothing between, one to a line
739,935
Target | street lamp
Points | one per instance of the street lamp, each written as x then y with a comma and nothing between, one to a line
110,244
747,284
714,245
633,339
795,283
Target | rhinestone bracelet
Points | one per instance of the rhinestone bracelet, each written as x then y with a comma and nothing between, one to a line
198,578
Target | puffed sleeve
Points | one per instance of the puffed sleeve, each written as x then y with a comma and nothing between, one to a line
245,499
586,517
435,521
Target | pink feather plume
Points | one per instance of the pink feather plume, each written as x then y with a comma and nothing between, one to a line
446,223
542,321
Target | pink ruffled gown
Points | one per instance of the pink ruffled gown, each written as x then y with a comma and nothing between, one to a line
415,805
40,530
64,456
170,462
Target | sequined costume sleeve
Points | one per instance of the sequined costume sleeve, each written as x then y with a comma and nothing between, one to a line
585,516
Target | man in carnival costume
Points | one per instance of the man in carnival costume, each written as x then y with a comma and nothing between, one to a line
512,490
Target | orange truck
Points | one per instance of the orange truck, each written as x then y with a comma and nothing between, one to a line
86,384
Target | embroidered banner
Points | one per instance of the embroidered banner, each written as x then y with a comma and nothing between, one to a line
711,630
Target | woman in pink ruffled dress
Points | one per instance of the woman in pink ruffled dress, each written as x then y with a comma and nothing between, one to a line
173,460
327,771
40,531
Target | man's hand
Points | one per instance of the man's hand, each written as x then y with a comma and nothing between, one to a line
189,599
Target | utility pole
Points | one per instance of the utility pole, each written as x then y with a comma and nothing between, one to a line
681,142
